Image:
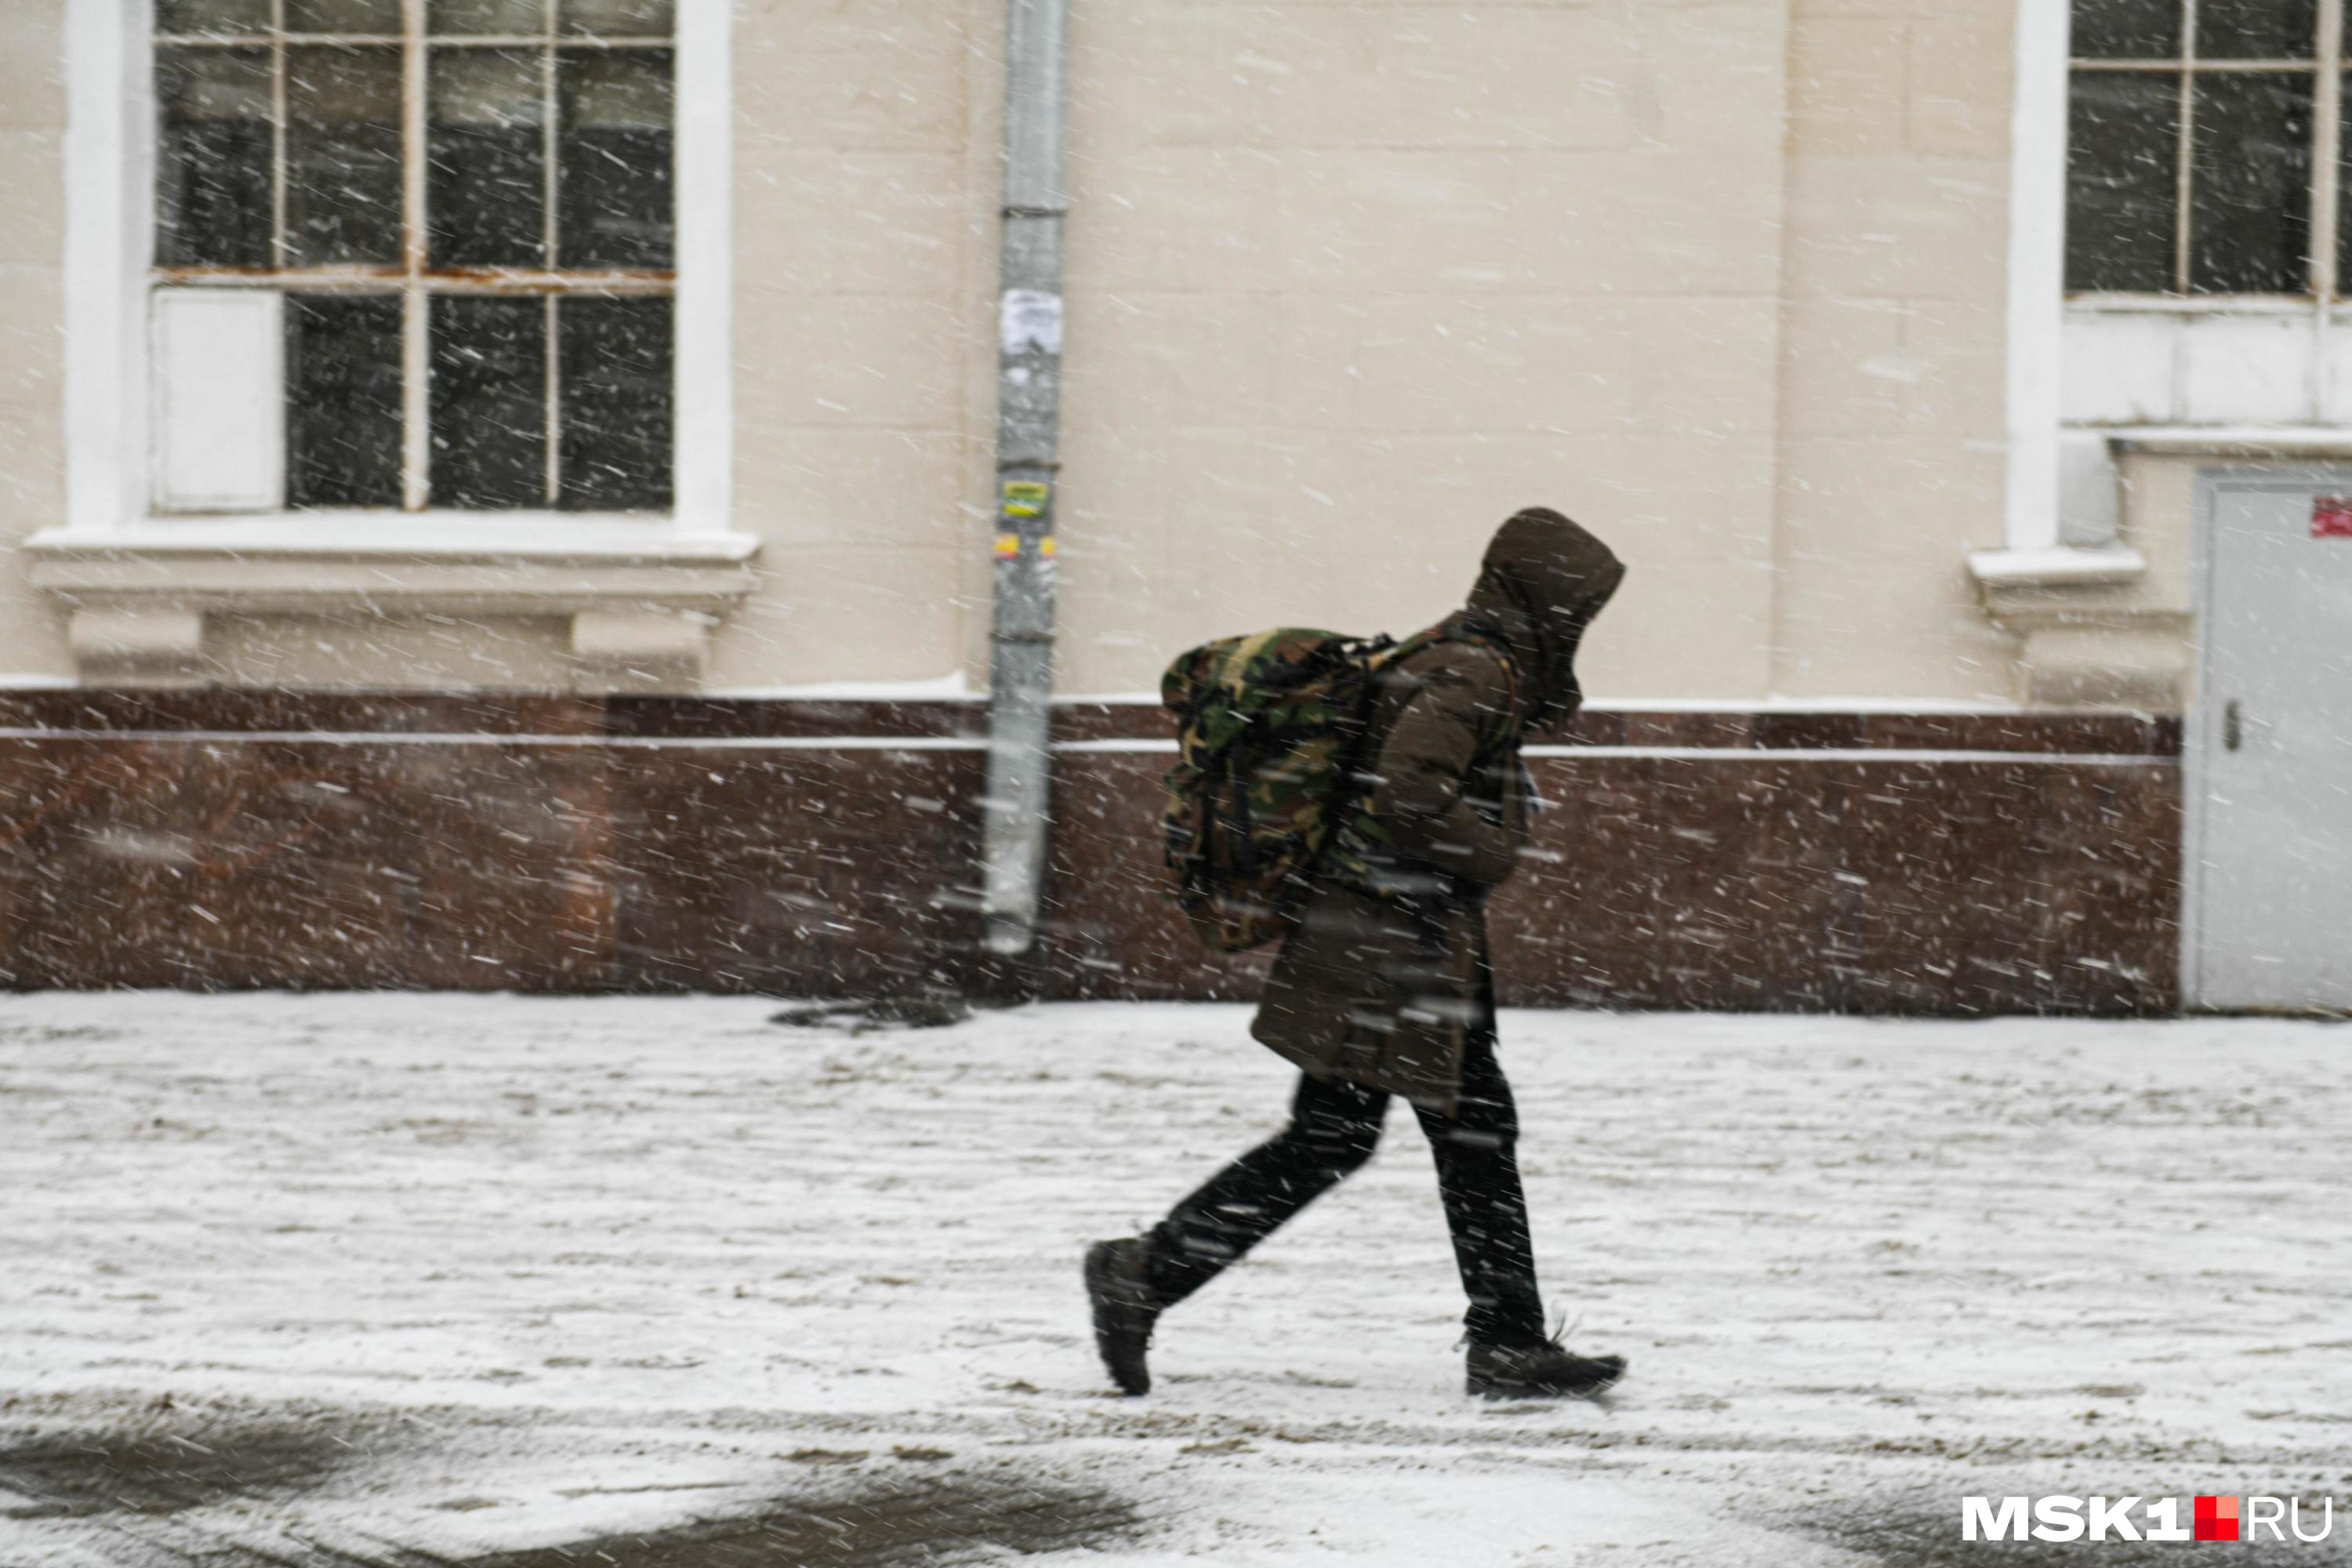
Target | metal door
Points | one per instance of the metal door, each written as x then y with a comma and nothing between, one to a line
2269,867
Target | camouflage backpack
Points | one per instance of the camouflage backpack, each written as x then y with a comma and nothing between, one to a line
1269,727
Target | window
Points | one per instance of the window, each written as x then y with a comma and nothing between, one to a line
2204,148
455,220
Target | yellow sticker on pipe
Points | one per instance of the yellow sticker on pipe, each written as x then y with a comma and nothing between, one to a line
1025,498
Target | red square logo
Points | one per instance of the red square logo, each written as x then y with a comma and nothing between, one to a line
2331,517
2217,1519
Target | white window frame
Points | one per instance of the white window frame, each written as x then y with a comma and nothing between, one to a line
2117,341
111,162
2037,275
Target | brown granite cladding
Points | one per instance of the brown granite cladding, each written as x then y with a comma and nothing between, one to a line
248,711
301,864
1849,861
469,866
240,711
1897,885
2095,734
797,872
1110,929
1743,882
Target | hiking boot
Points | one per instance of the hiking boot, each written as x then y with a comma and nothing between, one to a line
1119,1283
1542,1369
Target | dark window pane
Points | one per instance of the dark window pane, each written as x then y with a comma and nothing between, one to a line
214,16
2256,29
2249,198
489,402
486,179
477,18
618,18
614,369
342,399
2126,30
212,174
343,154
342,17
2123,134
614,159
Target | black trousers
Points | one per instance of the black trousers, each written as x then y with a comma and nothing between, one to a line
1333,1129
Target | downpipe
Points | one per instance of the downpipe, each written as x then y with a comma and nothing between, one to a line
1017,820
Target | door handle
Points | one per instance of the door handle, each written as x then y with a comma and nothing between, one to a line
2233,729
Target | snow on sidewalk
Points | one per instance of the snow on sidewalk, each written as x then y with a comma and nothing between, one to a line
433,1278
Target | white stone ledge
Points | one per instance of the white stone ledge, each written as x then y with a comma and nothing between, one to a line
643,596
2057,567
2085,637
2257,442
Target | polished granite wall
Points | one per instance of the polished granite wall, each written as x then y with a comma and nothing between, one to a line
1927,863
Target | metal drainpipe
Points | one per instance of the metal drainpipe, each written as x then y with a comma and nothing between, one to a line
1028,429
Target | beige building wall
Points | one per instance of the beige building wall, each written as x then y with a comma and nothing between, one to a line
865,221
1350,282
1347,282
1893,349
32,326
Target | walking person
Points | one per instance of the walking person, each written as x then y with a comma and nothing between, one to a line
1384,988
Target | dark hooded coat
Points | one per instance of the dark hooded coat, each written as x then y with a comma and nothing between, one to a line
1387,975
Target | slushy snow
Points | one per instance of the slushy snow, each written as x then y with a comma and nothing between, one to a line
530,1272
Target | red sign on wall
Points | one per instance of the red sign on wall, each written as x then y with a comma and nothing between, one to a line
2331,517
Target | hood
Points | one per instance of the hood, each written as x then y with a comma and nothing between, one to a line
1543,580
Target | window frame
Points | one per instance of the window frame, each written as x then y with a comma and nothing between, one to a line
111,161
2041,311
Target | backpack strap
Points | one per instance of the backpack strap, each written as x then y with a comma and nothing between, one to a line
1462,627
1465,625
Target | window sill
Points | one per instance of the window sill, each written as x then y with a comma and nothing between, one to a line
2057,567
2200,304
2257,442
641,595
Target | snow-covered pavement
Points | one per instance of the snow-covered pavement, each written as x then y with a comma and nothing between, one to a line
425,1281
